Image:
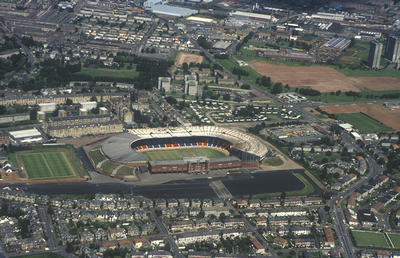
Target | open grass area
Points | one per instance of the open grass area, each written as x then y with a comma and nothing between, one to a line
364,123
230,63
272,161
100,72
108,166
49,162
365,95
177,154
96,156
124,170
369,239
395,238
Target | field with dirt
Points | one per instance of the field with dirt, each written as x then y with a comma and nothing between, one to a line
322,78
187,58
379,83
384,115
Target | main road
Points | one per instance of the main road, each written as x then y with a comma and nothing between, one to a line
338,216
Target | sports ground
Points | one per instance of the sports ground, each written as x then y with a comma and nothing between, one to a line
46,163
177,154
364,123
376,239
381,116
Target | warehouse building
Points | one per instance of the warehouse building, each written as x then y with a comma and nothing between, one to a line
25,136
253,16
174,11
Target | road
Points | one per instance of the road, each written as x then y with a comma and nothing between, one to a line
51,237
338,216
163,230
253,229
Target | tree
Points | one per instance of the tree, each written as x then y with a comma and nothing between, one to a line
202,41
171,100
3,110
283,195
222,217
69,102
201,215
69,248
226,97
33,114
277,88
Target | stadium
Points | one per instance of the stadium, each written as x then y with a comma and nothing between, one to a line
195,149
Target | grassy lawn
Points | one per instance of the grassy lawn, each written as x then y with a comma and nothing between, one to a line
368,95
49,162
178,154
124,170
364,123
108,166
273,161
333,156
96,156
395,238
230,63
101,72
369,239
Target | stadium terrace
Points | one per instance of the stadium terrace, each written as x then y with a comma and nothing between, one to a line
239,149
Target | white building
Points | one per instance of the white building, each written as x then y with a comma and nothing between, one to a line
164,83
26,136
47,107
88,105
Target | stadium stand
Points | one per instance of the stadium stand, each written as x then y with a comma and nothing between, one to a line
245,150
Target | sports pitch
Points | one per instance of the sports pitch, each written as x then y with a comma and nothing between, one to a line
364,123
370,239
177,154
50,163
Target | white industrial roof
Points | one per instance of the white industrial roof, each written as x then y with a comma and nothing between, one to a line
25,133
172,10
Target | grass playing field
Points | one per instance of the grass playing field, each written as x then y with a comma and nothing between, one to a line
50,163
96,156
124,170
369,239
364,123
395,238
177,154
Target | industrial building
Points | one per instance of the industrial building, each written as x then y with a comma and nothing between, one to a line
169,10
338,43
375,53
25,136
253,16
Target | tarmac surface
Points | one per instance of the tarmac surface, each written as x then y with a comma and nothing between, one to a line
241,184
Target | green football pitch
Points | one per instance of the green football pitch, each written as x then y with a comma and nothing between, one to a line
363,122
177,154
370,239
50,163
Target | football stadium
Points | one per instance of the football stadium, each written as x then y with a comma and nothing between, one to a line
195,149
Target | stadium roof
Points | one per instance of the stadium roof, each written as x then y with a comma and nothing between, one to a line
172,10
119,148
